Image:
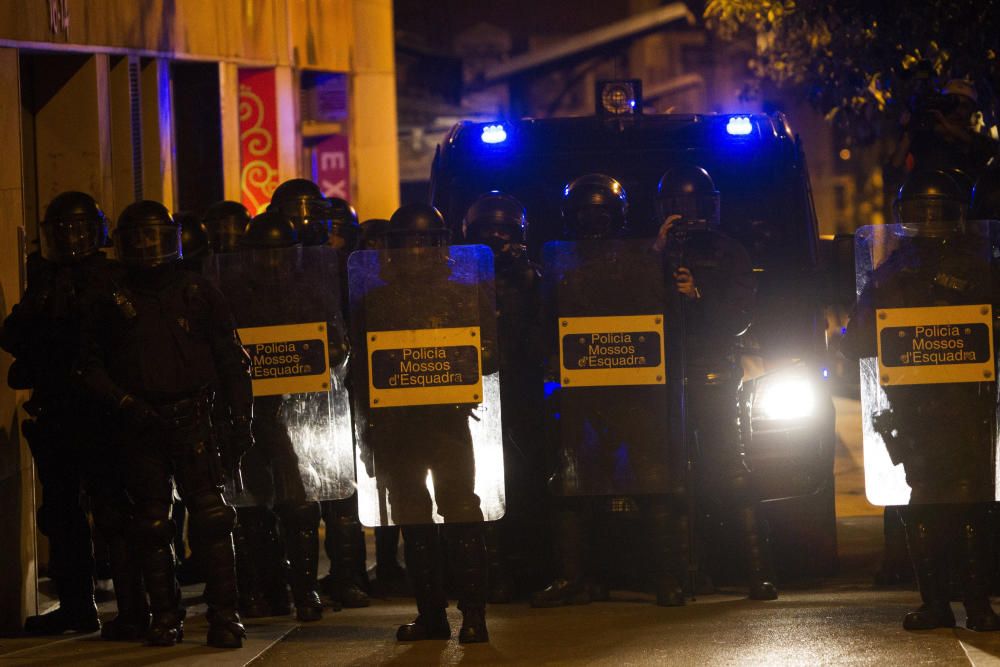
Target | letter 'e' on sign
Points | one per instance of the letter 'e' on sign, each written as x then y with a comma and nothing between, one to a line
611,351
935,345
288,358
424,367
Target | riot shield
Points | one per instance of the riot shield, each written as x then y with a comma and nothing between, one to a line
427,390
604,307
286,302
924,328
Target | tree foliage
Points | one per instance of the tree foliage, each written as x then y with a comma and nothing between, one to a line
860,61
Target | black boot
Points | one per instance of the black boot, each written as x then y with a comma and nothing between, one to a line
252,551
975,572
344,538
225,629
167,625
422,551
758,556
212,542
668,525
570,587
389,574
132,621
501,584
470,572
895,568
928,551
77,611
300,528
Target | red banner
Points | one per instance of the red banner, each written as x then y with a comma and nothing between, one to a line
331,168
258,138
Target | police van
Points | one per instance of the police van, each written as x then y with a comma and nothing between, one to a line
759,168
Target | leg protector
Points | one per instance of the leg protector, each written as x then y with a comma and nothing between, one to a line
975,564
926,537
300,528
669,537
347,544
570,587
422,552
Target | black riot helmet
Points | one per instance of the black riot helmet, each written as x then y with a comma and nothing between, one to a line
146,236
986,196
416,226
345,232
194,237
74,227
270,229
226,221
268,238
931,204
373,234
497,220
688,191
302,202
594,207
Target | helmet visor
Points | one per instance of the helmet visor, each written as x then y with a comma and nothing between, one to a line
930,217
226,234
148,245
592,222
65,240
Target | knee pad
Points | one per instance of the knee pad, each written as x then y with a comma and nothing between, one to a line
211,520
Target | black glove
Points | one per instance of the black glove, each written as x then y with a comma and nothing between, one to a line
138,414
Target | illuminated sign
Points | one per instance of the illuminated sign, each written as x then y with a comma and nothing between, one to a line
611,351
288,358
935,345
424,367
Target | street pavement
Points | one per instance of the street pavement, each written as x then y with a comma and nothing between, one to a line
843,621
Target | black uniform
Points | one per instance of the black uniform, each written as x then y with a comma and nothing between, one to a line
345,539
403,444
272,468
937,263
154,349
68,432
712,317
950,485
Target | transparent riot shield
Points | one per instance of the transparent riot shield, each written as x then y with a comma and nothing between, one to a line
287,307
923,327
604,315
426,384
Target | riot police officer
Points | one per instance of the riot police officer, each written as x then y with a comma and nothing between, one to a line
225,221
389,574
936,262
402,444
67,432
302,202
196,245
153,351
713,276
267,237
345,539
611,438
499,221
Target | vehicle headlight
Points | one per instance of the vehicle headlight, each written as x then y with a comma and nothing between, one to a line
784,397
